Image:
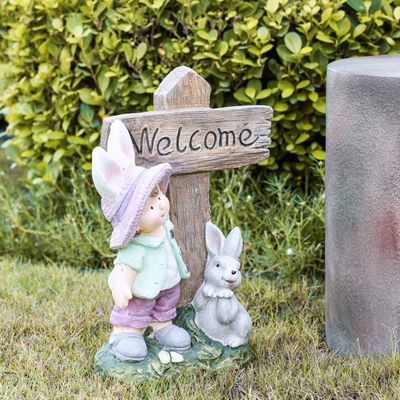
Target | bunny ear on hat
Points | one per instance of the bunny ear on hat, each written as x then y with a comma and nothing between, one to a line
119,145
123,186
107,174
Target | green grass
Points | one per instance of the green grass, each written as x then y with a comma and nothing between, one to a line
54,319
65,225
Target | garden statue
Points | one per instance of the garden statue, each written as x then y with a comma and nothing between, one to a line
148,268
218,312
180,142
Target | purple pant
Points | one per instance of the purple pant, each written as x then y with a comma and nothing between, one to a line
140,313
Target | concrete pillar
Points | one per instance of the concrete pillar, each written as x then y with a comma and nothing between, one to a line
363,205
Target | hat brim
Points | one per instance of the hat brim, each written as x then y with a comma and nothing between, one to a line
124,231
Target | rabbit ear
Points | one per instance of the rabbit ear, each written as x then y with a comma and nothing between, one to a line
119,144
106,173
214,239
233,244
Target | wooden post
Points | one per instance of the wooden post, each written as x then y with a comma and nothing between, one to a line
194,139
183,88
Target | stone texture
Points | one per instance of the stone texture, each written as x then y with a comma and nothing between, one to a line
363,205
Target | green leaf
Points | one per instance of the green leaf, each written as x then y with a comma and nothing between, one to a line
58,154
306,50
290,147
303,84
262,33
213,56
56,135
287,88
74,25
272,6
376,5
264,94
360,29
302,138
141,51
213,35
250,92
89,96
27,153
102,79
281,107
203,35
77,140
390,41
311,65
320,105
326,14
241,96
313,96
65,60
360,5
343,27
284,53
157,4
287,93
223,48
251,23
293,42
254,83
323,37
396,13
57,24
266,48
357,5
86,112
319,154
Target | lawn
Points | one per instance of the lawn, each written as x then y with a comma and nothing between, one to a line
54,318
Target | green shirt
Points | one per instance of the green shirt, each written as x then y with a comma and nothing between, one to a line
149,257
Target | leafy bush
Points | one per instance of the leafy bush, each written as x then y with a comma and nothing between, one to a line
66,64
284,237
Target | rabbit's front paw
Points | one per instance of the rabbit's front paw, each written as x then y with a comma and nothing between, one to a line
234,341
209,291
225,293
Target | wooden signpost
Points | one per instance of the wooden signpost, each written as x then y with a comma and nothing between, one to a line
195,139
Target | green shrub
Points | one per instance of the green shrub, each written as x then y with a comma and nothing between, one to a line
66,64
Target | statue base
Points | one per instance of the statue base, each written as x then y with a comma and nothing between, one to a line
205,354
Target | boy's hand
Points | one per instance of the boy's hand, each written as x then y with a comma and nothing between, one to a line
120,281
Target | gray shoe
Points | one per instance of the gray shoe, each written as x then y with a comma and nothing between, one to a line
128,346
173,338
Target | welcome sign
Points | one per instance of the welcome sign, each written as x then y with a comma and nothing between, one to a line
199,139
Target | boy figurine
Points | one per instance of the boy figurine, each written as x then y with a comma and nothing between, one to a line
145,281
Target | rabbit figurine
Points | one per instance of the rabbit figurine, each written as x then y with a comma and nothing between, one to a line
218,312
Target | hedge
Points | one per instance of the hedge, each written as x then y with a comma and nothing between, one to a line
65,65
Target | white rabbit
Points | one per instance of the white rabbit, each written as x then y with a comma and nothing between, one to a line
218,312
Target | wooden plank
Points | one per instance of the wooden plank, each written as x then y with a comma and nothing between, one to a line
200,139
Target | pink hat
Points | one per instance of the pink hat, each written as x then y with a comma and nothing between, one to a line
124,187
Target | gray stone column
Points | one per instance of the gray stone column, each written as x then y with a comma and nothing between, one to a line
363,205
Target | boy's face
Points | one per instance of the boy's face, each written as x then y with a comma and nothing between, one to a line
155,213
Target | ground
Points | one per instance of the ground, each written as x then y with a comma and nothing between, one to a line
54,319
